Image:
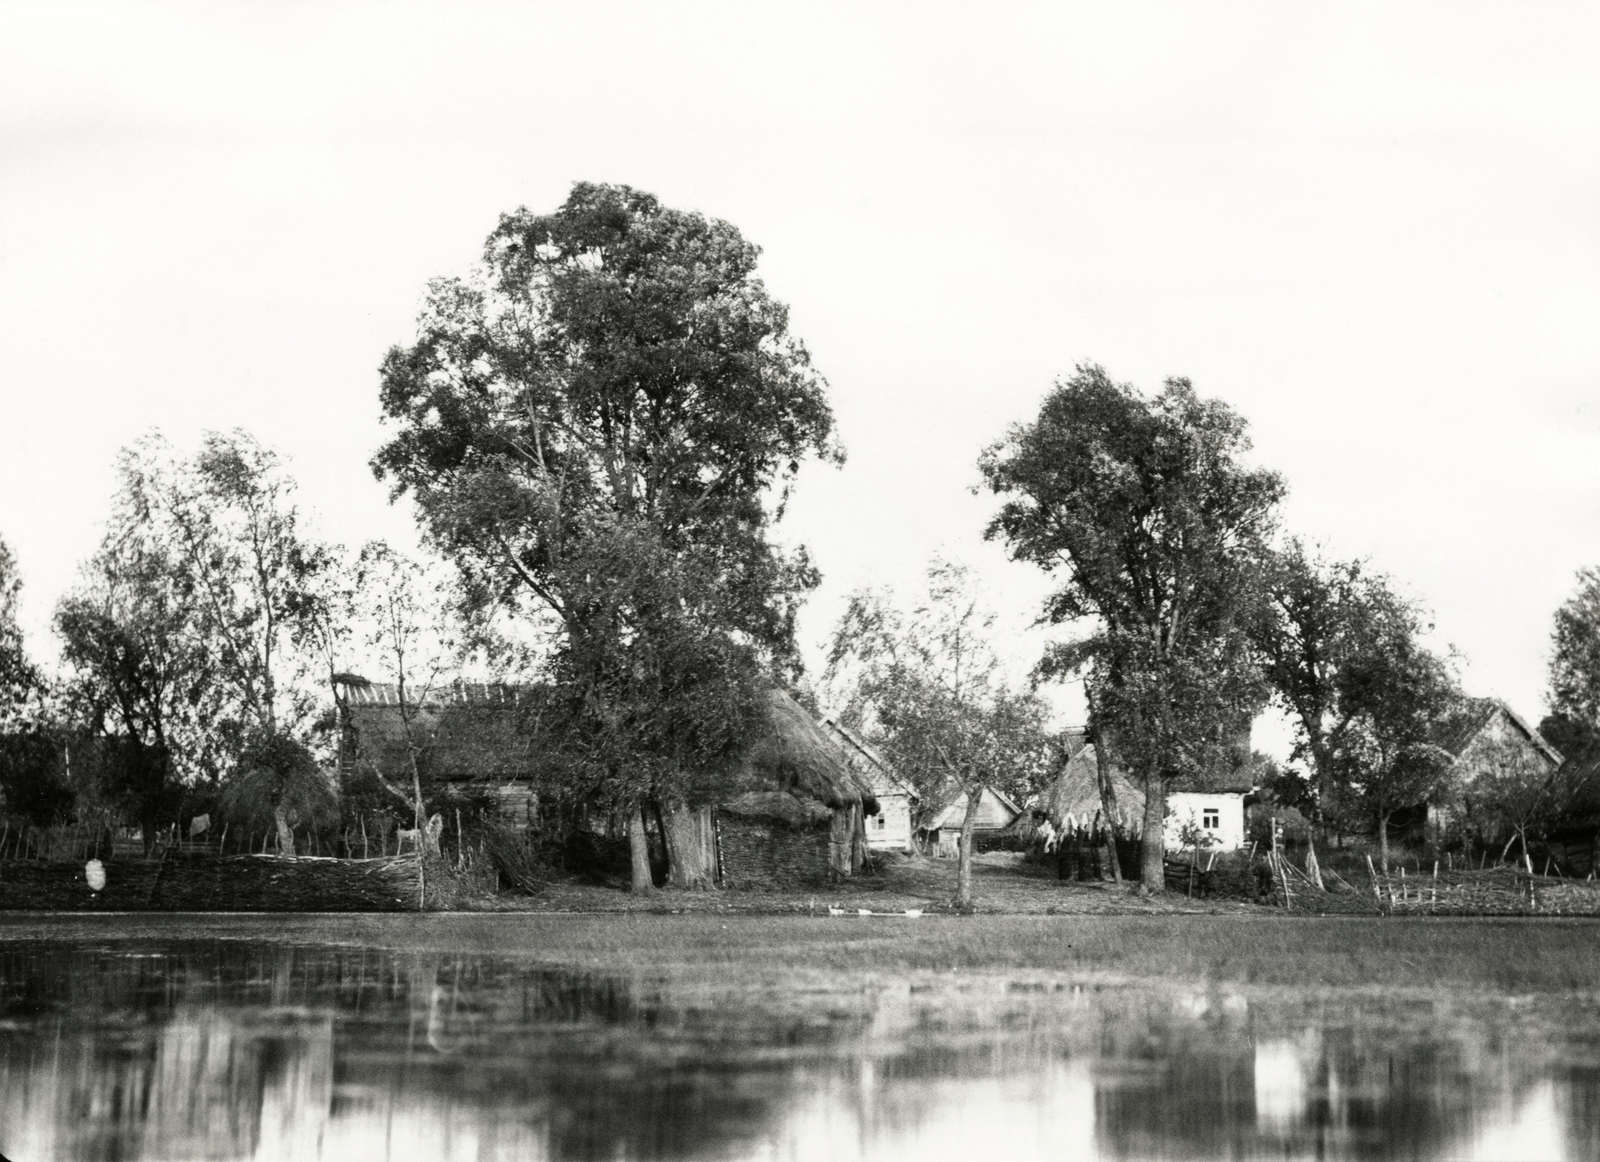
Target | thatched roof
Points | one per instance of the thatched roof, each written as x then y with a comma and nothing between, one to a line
867,762
798,758
1076,792
466,730
1475,715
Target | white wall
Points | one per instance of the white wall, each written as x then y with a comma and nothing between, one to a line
1187,806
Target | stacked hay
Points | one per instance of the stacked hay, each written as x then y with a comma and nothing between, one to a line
203,882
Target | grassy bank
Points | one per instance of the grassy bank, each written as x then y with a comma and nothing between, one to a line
1489,956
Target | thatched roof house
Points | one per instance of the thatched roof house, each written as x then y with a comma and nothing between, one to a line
801,808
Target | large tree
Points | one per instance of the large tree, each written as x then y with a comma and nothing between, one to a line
1397,698
1145,510
599,428
924,683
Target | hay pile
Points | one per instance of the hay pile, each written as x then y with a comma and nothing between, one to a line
204,882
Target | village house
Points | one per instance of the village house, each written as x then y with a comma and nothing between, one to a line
1214,803
796,813
940,828
890,829
1482,735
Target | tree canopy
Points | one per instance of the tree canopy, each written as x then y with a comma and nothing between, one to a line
599,428
1146,511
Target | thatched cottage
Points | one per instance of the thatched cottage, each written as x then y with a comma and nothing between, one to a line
801,812
890,828
797,813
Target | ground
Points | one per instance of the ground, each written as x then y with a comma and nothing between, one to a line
1002,882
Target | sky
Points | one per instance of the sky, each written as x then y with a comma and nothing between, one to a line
1373,229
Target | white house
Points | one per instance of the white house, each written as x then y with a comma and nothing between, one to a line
890,828
942,827
1218,815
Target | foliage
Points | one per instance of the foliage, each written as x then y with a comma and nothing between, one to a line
1573,726
21,683
1326,632
592,428
277,783
182,638
926,687
1155,526
1397,698
1516,792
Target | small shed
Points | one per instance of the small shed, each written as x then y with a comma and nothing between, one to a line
940,829
889,829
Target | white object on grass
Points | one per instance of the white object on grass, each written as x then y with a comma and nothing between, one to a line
95,872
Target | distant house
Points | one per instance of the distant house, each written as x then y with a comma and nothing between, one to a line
890,828
1482,735
940,827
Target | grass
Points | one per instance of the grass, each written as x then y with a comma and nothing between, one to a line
1479,956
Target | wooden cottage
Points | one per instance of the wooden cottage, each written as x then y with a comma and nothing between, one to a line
797,813
940,828
1482,735
800,814
890,828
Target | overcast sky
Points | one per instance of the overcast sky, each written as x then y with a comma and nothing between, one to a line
1372,229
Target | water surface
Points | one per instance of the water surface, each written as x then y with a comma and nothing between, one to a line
408,1039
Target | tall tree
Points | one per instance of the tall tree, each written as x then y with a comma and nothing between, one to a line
1145,510
1573,724
142,679
1317,626
603,424
32,782
925,685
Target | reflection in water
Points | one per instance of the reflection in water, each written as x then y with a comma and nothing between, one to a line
228,1049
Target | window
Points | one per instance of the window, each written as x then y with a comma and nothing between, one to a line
879,822
1211,818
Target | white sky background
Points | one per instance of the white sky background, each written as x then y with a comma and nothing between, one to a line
1373,229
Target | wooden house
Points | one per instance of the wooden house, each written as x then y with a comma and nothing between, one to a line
796,813
1483,734
462,733
940,827
890,828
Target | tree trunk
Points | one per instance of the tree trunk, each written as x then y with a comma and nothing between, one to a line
1383,840
1108,805
285,833
969,822
1152,866
639,852
691,845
